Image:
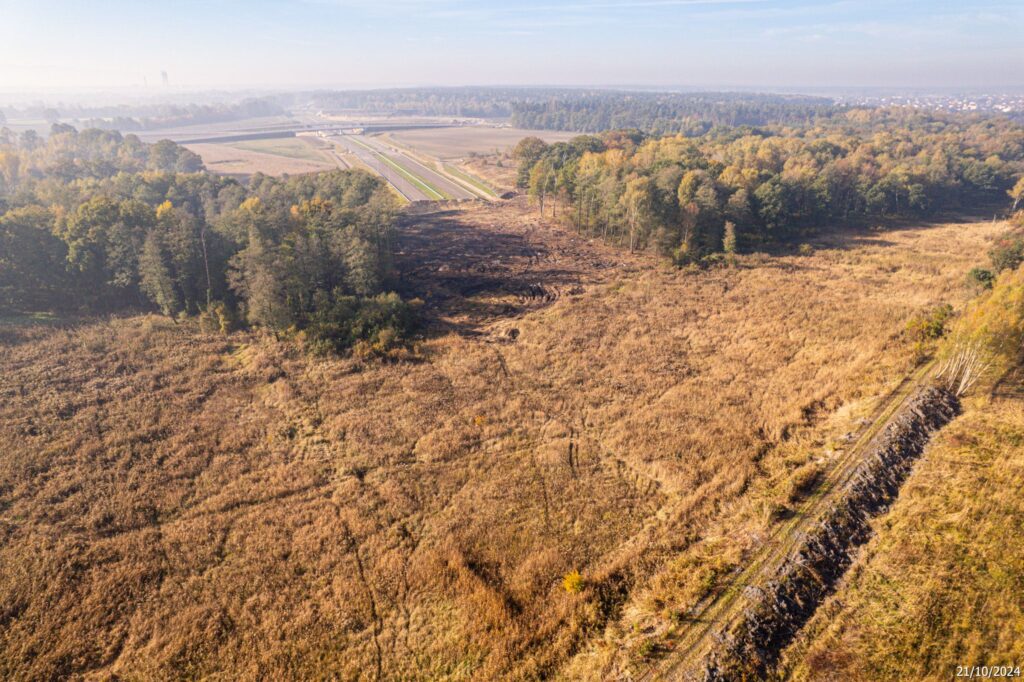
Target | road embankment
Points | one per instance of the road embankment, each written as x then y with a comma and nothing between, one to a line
779,606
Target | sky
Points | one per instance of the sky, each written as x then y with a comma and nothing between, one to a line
292,44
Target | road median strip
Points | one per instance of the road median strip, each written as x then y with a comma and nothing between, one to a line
418,182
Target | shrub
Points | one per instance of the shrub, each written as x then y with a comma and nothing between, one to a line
573,582
378,326
927,327
219,317
931,324
803,481
981,277
806,250
1008,253
729,240
683,255
646,648
713,260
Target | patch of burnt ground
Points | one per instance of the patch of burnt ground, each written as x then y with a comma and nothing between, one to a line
780,607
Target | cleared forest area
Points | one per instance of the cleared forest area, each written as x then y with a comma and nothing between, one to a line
186,504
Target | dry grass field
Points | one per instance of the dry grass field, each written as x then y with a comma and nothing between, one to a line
180,505
940,584
258,156
498,170
937,591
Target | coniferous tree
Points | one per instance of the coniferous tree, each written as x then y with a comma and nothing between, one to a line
155,275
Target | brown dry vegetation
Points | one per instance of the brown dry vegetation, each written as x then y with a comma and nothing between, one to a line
938,589
498,170
940,585
181,505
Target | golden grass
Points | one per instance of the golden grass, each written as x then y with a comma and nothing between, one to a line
178,505
940,585
498,170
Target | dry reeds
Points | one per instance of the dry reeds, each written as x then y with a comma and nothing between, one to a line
965,366
175,504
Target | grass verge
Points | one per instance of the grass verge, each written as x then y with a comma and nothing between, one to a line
466,177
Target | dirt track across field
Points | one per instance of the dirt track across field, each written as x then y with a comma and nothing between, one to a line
727,607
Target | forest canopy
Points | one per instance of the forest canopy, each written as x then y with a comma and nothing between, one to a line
741,187
94,222
139,117
583,110
663,113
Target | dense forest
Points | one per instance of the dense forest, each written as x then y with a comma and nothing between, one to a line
581,110
663,113
742,187
93,222
139,117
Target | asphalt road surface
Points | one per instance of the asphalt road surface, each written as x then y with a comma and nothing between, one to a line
396,179
431,176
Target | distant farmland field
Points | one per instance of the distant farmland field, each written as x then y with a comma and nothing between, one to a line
199,130
292,147
458,142
236,160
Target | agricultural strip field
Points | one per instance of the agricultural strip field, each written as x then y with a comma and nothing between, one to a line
461,141
230,160
291,147
200,130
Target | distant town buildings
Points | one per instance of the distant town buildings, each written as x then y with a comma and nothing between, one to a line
999,103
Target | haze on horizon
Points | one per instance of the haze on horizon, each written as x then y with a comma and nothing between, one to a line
291,44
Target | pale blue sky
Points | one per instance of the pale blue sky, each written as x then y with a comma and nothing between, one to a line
338,43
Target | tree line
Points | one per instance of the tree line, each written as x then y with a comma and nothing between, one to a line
743,187
583,110
95,222
657,113
140,117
